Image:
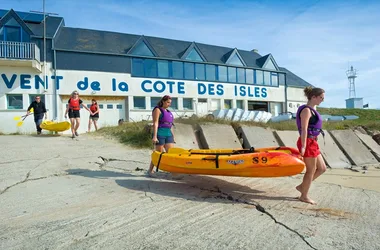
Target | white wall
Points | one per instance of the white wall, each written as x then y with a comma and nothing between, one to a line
99,85
296,98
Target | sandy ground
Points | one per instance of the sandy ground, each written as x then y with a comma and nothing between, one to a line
92,193
357,178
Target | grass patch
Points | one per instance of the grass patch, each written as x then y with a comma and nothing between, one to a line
133,134
137,135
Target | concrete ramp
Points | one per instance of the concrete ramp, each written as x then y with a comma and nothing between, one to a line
217,136
332,154
185,136
354,149
370,143
257,137
287,138
330,151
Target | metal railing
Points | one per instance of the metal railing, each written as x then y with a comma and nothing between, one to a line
19,50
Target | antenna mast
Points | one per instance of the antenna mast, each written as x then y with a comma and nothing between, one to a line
351,75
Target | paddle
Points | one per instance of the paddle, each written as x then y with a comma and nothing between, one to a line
19,124
17,118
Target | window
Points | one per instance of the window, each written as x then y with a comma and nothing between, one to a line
239,104
215,104
100,106
174,104
274,79
119,106
210,72
32,98
137,67
235,60
266,78
139,102
177,70
227,104
259,77
109,106
222,73
200,71
142,50
241,75
15,101
150,67
281,79
154,101
270,65
189,71
249,76
163,68
231,74
187,103
12,34
194,56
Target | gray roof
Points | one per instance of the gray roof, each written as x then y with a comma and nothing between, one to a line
34,22
107,42
52,25
85,40
293,80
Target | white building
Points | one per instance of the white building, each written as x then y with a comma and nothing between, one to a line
127,74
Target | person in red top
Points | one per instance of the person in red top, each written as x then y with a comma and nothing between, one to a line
74,112
94,116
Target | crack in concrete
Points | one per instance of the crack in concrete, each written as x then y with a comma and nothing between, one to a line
258,207
8,162
70,158
364,191
26,179
106,160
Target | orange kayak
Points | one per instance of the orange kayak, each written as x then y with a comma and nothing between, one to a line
261,162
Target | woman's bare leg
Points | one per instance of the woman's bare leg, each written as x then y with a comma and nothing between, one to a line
303,188
89,125
158,148
77,124
72,121
321,168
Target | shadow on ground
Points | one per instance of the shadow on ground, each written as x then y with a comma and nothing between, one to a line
189,187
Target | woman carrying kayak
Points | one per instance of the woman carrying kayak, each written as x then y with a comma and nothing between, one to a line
163,136
309,123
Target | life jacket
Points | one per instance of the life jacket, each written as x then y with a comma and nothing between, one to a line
74,104
166,121
93,107
315,122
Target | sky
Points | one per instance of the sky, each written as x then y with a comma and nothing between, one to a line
316,40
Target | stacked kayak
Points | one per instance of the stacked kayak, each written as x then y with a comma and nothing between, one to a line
55,126
261,162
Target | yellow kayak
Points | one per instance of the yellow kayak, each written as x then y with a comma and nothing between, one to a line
260,162
55,126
